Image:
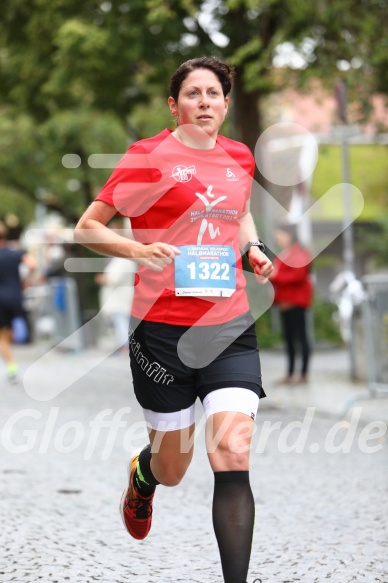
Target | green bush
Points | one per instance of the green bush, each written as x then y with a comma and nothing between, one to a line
268,334
324,327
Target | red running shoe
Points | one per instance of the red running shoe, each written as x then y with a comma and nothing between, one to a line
136,510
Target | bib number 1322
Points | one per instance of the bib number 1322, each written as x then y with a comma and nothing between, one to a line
205,270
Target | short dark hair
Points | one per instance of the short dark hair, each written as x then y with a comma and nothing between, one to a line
221,69
290,229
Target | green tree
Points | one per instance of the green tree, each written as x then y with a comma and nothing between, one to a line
61,54
329,40
113,55
31,167
74,78
64,62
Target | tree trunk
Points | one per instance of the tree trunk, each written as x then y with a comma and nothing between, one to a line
246,116
247,128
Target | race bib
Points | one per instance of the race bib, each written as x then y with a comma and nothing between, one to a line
205,270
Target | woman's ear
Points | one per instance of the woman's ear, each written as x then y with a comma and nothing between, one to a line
173,106
226,104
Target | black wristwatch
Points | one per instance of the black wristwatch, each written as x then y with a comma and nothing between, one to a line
250,244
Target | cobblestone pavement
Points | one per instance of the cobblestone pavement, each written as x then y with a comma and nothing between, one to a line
321,514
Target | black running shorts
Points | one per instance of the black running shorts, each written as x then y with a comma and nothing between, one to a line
173,365
8,313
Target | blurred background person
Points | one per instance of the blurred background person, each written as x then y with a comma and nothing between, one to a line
11,296
116,291
293,287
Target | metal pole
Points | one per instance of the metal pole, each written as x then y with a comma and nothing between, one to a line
348,251
347,236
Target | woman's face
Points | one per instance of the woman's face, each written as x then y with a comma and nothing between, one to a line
200,102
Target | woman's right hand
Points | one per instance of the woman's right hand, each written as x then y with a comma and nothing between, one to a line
157,256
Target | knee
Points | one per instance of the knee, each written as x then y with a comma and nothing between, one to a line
228,456
233,461
229,449
168,474
170,477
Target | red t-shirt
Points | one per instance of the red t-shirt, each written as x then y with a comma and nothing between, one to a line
291,277
183,196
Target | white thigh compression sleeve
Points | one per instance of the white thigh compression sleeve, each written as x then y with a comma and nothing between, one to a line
231,399
170,421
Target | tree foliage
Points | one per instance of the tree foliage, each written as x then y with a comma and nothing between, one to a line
31,160
374,241
87,76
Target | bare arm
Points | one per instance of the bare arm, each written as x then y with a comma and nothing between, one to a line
248,230
30,261
92,232
261,265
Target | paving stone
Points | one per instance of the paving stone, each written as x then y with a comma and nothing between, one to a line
320,516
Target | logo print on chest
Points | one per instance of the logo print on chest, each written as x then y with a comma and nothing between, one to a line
183,173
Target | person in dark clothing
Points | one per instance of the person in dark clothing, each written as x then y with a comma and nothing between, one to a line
11,296
291,279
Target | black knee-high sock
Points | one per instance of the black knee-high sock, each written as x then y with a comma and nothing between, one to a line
233,521
144,479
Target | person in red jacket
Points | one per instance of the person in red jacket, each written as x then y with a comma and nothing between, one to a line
293,287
